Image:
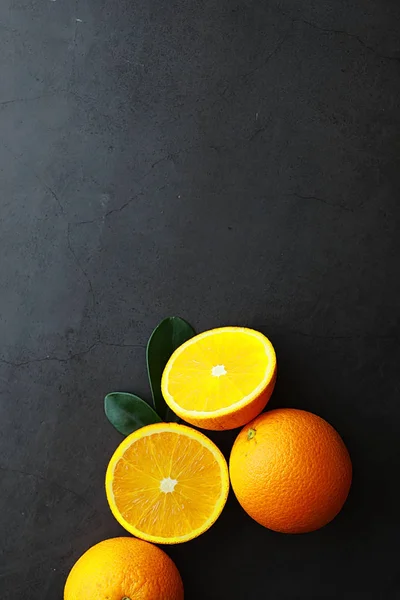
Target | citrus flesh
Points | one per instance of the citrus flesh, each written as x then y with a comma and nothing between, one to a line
167,483
220,379
290,470
124,568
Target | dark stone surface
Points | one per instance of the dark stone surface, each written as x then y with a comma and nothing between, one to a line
232,163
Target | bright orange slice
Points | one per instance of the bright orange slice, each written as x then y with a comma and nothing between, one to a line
220,379
167,483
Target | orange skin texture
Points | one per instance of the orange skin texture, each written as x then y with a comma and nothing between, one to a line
124,568
240,416
290,471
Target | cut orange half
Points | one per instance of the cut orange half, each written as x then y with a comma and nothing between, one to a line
220,379
167,483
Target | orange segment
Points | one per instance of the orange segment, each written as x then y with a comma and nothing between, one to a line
167,483
220,379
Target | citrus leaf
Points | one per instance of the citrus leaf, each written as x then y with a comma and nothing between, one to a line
165,339
128,412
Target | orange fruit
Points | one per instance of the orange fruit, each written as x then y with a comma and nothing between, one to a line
290,470
167,483
220,379
124,569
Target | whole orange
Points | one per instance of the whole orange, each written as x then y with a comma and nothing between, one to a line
124,569
290,470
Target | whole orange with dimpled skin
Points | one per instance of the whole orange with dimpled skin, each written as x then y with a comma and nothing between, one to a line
290,470
124,569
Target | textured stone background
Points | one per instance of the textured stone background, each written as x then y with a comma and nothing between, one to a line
231,163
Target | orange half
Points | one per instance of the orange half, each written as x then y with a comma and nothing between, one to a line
167,483
220,379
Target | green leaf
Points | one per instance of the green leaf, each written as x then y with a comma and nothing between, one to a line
165,339
128,412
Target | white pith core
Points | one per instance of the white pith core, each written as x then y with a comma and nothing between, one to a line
167,485
218,370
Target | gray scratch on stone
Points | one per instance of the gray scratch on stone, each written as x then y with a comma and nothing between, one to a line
71,357
349,35
317,199
72,251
